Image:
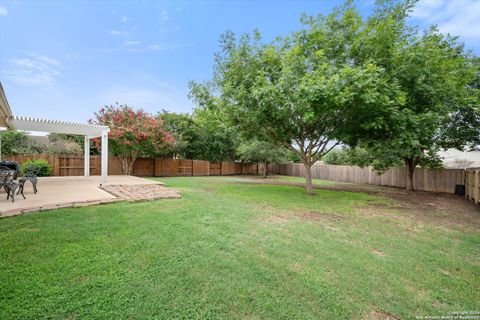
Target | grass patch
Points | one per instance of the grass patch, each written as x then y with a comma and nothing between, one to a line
302,180
234,250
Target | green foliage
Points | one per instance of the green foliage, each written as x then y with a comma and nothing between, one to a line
201,136
438,80
15,142
261,151
64,144
53,137
183,129
217,140
61,143
304,91
350,156
45,169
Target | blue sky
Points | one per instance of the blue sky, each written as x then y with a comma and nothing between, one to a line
65,59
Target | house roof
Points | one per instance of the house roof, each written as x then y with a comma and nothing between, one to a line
55,126
5,111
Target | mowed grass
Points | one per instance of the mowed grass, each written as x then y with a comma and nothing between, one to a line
231,250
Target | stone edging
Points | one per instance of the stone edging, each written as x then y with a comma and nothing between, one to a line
76,204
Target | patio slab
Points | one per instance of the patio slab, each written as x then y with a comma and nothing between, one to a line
62,192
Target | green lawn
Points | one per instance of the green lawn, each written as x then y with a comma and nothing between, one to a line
285,179
236,250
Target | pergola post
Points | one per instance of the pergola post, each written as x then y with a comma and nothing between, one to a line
104,156
86,157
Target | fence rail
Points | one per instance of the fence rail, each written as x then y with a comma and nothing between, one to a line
65,165
441,180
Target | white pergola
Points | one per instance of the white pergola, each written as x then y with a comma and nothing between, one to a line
52,126
9,121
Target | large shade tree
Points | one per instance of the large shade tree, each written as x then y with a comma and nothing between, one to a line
438,79
304,92
133,133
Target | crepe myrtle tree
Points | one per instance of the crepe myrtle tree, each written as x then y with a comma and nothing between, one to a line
133,133
303,92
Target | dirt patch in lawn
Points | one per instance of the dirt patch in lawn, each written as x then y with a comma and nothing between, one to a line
307,216
274,219
434,208
318,217
378,252
428,207
380,315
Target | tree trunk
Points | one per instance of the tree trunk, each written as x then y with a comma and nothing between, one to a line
308,178
127,164
410,165
265,169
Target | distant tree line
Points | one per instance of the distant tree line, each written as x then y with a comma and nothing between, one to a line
17,142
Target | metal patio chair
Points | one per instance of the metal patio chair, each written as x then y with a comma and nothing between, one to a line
30,174
9,184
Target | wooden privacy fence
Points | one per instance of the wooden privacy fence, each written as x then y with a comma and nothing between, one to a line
472,188
442,180
64,165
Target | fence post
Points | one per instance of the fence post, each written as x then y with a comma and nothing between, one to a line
56,168
470,185
467,189
475,188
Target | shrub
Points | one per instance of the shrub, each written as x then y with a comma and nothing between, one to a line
15,142
45,167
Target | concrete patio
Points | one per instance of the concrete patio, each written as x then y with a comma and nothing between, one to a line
61,192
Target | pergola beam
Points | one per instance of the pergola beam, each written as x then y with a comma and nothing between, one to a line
53,126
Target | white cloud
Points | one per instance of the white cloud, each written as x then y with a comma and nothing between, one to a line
115,32
3,11
165,15
131,43
33,70
459,17
156,47
125,19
